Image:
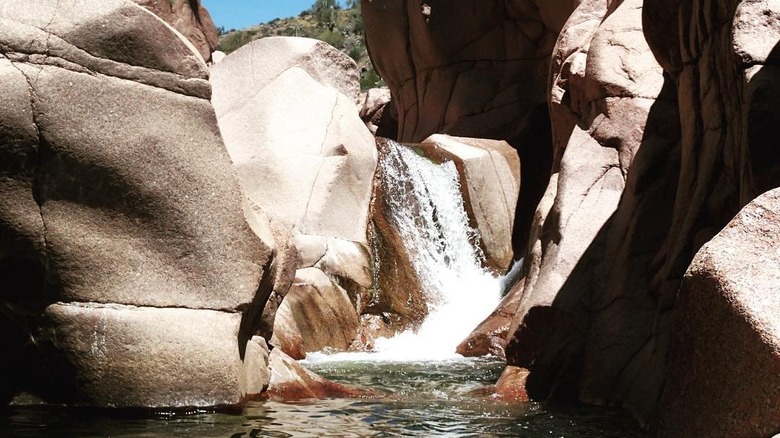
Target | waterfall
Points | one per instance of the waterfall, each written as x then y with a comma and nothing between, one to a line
427,210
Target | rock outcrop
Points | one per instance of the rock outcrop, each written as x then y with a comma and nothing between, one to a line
489,172
190,18
118,202
287,110
290,381
476,70
726,342
292,130
665,163
316,313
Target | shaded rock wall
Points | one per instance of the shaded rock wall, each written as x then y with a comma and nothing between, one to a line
661,118
597,315
117,198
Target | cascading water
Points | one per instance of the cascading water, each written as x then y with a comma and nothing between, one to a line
426,208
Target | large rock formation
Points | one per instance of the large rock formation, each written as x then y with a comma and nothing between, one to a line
604,275
661,131
476,70
190,18
118,202
726,342
287,110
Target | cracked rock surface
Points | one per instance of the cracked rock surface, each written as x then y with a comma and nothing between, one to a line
120,213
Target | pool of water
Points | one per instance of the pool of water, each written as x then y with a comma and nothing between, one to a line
423,399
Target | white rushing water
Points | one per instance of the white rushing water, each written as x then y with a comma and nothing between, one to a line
427,210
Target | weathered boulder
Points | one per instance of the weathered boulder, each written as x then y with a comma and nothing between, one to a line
316,313
290,381
724,372
489,172
286,109
348,262
490,336
376,112
115,188
190,18
474,70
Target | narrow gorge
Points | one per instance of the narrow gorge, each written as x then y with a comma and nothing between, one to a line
558,218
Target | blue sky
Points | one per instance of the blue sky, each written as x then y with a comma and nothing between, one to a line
238,14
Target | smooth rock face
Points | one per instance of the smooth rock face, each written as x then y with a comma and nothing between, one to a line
190,18
286,109
316,313
726,345
472,70
114,184
123,356
489,173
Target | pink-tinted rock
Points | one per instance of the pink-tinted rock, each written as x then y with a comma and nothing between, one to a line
290,381
478,69
675,158
724,368
316,313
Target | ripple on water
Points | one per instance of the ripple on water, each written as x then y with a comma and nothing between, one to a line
424,399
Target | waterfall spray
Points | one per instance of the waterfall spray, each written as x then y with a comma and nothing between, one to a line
426,208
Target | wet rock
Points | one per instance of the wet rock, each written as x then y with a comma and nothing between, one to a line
726,341
489,172
290,381
115,189
398,290
286,108
490,336
190,18
511,385
316,313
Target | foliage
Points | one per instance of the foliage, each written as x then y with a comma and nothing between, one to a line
325,20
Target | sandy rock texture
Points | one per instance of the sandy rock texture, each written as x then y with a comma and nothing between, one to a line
726,343
117,199
649,165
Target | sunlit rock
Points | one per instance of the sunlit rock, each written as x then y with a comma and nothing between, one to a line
316,313
116,190
287,111
290,381
190,18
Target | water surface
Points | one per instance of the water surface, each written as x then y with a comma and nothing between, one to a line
423,399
